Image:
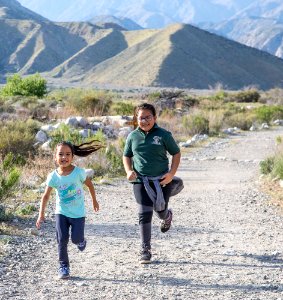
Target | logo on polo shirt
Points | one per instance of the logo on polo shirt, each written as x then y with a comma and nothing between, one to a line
157,140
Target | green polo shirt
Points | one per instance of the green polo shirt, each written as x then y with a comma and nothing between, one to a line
149,150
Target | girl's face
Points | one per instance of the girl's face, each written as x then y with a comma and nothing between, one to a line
63,156
145,119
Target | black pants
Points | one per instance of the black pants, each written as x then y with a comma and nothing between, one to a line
146,210
63,225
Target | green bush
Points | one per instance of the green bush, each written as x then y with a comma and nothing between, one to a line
244,96
154,96
5,215
9,176
89,102
277,170
195,124
273,166
243,120
65,133
268,113
123,108
267,165
114,154
18,137
33,85
26,210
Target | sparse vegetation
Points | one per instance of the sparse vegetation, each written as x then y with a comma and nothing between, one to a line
9,177
195,124
269,113
18,137
22,116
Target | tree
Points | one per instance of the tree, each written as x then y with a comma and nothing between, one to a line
33,85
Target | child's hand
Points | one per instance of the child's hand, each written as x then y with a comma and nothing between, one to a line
95,206
38,222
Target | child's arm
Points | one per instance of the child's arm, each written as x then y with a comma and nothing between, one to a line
90,186
44,200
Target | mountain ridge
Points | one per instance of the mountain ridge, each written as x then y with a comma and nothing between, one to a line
178,55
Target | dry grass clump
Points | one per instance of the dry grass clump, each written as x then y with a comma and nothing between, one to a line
274,190
273,96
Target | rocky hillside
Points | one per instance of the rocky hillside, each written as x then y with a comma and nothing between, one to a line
260,25
177,56
261,33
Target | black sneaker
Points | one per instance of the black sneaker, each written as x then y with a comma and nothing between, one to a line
145,255
64,272
81,246
166,224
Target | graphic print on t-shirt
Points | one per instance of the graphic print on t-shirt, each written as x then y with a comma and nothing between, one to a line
68,194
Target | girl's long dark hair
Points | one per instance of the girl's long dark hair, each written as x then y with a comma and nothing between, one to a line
84,149
147,106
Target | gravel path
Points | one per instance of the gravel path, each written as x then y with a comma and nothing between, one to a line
225,243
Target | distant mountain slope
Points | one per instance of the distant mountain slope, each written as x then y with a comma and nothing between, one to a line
259,25
260,33
12,9
146,13
35,47
185,56
269,9
123,22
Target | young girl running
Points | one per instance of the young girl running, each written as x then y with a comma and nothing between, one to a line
68,182
147,167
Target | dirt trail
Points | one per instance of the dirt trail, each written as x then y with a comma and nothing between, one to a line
226,241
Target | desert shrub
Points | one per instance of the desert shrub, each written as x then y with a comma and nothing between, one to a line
242,120
26,210
219,96
268,113
9,175
210,103
18,137
108,161
65,133
244,96
5,215
33,85
123,108
114,161
266,166
154,96
273,165
277,170
195,124
89,102
190,101
215,120
273,96
7,107
232,109
167,114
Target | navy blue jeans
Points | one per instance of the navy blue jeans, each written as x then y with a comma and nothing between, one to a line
63,226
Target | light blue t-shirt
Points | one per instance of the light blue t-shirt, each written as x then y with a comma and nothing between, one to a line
69,192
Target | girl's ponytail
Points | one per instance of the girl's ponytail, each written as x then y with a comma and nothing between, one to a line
84,149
